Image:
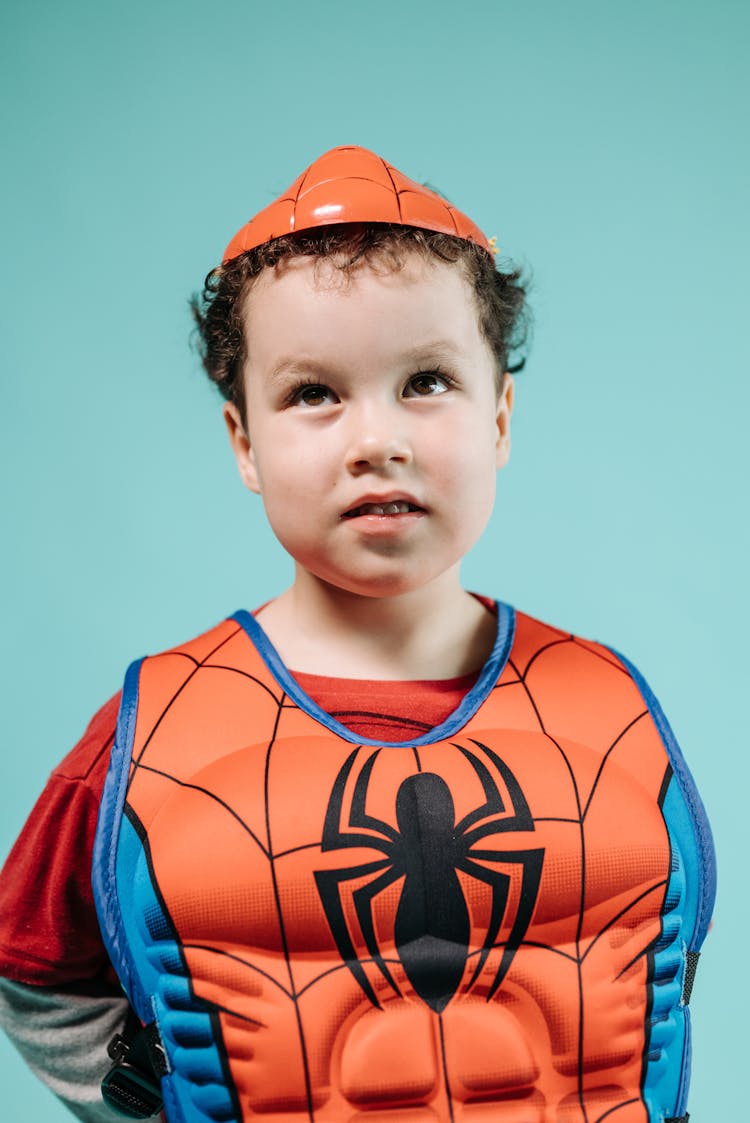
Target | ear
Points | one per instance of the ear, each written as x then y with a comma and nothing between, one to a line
243,452
504,410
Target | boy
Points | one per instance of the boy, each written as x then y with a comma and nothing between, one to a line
384,845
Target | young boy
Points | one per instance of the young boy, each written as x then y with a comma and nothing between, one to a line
384,845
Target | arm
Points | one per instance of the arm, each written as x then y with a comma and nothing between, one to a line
62,1034
60,1002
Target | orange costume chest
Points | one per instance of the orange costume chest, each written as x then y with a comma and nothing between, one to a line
494,921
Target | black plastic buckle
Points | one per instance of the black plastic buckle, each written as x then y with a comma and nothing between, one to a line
128,1088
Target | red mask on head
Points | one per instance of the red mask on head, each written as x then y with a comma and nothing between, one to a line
352,184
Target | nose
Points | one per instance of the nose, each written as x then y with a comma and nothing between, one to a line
376,440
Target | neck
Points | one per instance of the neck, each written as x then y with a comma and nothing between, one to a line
436,631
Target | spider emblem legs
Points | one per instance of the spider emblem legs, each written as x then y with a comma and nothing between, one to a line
428,849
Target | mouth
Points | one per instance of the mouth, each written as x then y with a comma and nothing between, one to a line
397,507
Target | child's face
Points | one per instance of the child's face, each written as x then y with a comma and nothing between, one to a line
377,392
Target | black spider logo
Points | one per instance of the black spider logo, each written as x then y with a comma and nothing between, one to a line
429,848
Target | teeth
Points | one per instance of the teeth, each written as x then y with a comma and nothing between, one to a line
397,508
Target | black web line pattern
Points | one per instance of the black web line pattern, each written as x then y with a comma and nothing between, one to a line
292,992
225,1066
282,927
197,666
506,682
393,961
611,1111
540,651
582,811
212,796
574,783
606,657
444,1064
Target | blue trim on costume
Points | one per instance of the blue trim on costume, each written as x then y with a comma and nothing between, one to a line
686,913
667,1072
141,943
104,863
470,703
690,824
194,1090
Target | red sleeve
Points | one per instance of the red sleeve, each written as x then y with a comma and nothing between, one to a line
49,933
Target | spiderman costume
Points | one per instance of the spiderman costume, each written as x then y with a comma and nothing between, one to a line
501,915
498,917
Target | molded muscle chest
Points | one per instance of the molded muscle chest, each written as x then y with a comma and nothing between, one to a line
488,922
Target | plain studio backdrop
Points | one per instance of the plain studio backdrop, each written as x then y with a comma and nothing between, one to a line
604,144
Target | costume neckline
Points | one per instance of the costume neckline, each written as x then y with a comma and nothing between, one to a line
470,703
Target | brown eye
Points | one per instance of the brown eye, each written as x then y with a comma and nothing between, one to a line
312,395
427,384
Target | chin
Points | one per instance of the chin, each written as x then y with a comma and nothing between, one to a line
378,585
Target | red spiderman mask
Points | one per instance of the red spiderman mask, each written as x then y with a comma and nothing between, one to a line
352,184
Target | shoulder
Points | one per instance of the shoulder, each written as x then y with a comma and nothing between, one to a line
593,694
541,646
200,648
581,687
88,760
90,754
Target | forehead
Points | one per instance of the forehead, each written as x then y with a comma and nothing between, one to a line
313,302
336,272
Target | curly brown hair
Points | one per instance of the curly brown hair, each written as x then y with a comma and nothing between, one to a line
504,317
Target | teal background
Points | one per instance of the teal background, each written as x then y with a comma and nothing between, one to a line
605,144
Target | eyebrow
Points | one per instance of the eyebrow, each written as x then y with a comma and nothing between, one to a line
289,364
433,347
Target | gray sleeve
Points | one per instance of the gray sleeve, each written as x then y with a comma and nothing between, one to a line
62,1034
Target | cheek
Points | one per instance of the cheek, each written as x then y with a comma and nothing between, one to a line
470,478
468,454
292,490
